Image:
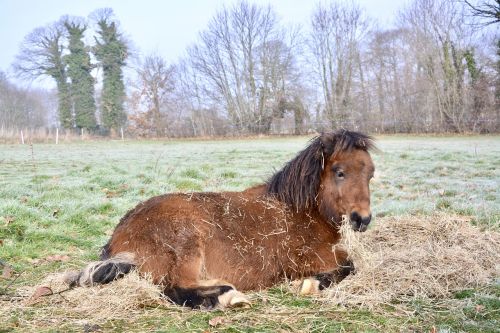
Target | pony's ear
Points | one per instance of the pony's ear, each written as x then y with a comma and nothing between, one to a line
326,144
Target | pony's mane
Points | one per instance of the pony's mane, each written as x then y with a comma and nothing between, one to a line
297,183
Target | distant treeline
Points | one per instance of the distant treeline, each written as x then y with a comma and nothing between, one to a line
436,70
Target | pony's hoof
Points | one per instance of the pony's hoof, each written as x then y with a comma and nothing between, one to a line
234,299
309,287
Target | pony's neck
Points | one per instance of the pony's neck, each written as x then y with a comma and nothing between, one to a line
318,213
320,210
256,191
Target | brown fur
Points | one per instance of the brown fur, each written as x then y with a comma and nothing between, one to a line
255,238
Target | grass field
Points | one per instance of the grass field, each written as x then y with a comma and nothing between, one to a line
66,199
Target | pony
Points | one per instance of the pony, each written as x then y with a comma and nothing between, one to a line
205,249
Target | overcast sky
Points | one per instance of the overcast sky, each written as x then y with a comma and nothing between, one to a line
166,27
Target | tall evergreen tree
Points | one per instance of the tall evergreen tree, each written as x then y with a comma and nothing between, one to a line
111,51
79,72
497,87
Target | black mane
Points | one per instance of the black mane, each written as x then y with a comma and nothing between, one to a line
297,183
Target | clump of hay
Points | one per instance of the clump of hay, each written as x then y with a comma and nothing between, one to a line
119,300
401,258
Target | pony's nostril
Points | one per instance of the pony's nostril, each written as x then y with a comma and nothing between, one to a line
355,217
360,223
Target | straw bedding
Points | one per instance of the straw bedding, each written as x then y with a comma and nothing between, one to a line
122,299
398,258
410,257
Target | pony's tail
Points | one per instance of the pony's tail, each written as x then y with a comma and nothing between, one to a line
102,272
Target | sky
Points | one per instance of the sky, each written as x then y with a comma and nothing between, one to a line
165,27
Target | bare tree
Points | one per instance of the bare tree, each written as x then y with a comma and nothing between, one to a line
487,11
337,31
204,118
22,108
440,39
154,84
398,90
41,54
281,87
242,61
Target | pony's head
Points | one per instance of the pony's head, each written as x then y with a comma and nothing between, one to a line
331,176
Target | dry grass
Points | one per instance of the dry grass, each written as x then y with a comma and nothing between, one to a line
123,299
407,257
398,259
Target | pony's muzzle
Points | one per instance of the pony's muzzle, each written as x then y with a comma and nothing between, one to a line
360,223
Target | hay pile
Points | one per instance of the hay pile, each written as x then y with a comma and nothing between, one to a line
401,258
398,259
121,299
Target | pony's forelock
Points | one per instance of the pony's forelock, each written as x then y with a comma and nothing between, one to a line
297,183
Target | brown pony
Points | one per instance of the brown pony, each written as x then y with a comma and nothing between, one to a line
203,247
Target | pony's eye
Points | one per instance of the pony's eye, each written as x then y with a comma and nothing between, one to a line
340,174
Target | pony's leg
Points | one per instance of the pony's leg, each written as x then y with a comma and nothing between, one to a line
207,297
343,268
188,289
318,282
327,279
102,272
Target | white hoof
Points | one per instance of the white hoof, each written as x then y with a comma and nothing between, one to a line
234,299
309,287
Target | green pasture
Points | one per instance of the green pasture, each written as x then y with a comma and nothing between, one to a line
66,199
